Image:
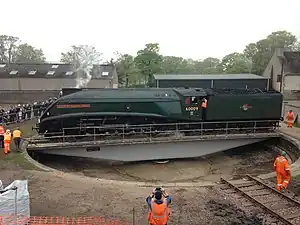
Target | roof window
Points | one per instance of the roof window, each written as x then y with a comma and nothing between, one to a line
32,72
50,73
69,73
13,72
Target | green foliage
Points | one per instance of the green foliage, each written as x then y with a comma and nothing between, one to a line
262,51
12,50
254,59
138,71
149,62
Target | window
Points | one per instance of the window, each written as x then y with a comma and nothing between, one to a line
2,65
187,101
278,78
194,100
51,73
69,73
54,66
104,73
13,72
32,72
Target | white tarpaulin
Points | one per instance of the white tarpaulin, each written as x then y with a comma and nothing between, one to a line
14,203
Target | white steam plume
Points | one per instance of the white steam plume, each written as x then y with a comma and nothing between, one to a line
86,58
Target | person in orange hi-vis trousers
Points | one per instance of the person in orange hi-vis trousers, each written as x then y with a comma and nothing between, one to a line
7,141
290,118
2,131
281,166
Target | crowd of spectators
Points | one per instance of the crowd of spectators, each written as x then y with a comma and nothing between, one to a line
20,113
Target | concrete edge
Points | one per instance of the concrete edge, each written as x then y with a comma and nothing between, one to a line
116,182
295,167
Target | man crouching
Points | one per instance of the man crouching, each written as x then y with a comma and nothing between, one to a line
158,204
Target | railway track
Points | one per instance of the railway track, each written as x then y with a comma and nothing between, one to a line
281,206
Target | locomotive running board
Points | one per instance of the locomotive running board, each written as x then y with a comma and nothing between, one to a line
154,151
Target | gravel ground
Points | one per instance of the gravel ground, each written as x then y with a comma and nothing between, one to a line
61,194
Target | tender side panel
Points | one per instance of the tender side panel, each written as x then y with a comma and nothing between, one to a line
244,107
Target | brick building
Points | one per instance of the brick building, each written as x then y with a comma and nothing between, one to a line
20,83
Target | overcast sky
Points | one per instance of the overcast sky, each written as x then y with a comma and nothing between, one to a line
188,28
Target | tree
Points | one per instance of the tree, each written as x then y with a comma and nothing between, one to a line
235,63
26,53
81,55
210,65
149,62
8,46
262,51
126,69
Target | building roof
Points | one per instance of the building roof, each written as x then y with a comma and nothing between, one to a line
52,70
206,76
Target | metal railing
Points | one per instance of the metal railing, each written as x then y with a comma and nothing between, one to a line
24,115
152,132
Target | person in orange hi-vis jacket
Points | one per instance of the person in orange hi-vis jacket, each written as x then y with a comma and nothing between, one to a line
281,166
290,118
7,141
158,204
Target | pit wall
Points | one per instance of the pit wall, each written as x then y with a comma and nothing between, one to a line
23,97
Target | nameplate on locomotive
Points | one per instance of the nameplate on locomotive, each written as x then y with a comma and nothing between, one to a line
73,106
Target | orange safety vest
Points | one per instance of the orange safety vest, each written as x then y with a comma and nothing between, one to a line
204,104
7,137
2,131
290,116
16,133
159,213
281,165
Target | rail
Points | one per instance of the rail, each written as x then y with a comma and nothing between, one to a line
268,194
151,132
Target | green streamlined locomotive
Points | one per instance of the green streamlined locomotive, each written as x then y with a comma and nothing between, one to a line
112,107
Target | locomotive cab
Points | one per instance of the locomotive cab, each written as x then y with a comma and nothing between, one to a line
191,102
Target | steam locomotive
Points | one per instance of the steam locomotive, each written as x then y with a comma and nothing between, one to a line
109,108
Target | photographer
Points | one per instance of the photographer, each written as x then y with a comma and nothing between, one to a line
158,204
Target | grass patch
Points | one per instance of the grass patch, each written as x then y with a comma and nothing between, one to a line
16,158
25,128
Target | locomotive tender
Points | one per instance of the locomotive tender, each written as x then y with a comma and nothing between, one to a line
111,107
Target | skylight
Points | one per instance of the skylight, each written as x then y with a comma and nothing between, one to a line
51,73
13,72
69,73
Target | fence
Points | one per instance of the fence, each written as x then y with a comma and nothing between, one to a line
157,132
21,116
45,220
